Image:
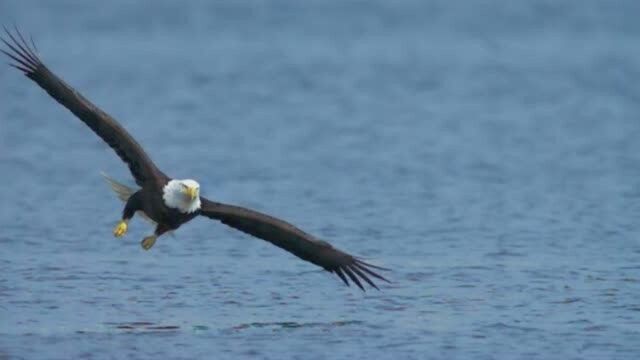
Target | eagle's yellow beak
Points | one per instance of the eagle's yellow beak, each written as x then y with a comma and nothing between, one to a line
192,192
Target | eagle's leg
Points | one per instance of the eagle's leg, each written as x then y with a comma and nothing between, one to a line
121,228
133,204
148,242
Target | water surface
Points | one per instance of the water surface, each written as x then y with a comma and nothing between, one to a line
489,154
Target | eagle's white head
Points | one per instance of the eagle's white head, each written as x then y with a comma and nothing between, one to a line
183,195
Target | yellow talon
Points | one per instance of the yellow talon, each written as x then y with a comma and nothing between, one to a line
148,242
120,229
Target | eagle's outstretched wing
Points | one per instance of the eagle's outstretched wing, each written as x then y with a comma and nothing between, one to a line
294,240
24,54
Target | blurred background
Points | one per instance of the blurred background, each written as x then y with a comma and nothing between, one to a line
485,151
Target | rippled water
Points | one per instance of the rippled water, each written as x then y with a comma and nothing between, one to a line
488,153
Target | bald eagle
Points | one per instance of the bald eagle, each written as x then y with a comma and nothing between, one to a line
169,203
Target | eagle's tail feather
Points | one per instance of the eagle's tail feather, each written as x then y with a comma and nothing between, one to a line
122,191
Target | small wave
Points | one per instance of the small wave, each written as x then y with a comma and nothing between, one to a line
293,324
143,326
503,326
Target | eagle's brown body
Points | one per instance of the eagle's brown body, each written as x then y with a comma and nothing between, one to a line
150,202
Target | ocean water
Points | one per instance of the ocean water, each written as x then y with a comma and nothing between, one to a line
487,152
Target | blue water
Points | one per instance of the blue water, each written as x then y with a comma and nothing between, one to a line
488,152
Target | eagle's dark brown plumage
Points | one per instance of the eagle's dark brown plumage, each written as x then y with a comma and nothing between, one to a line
152,181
